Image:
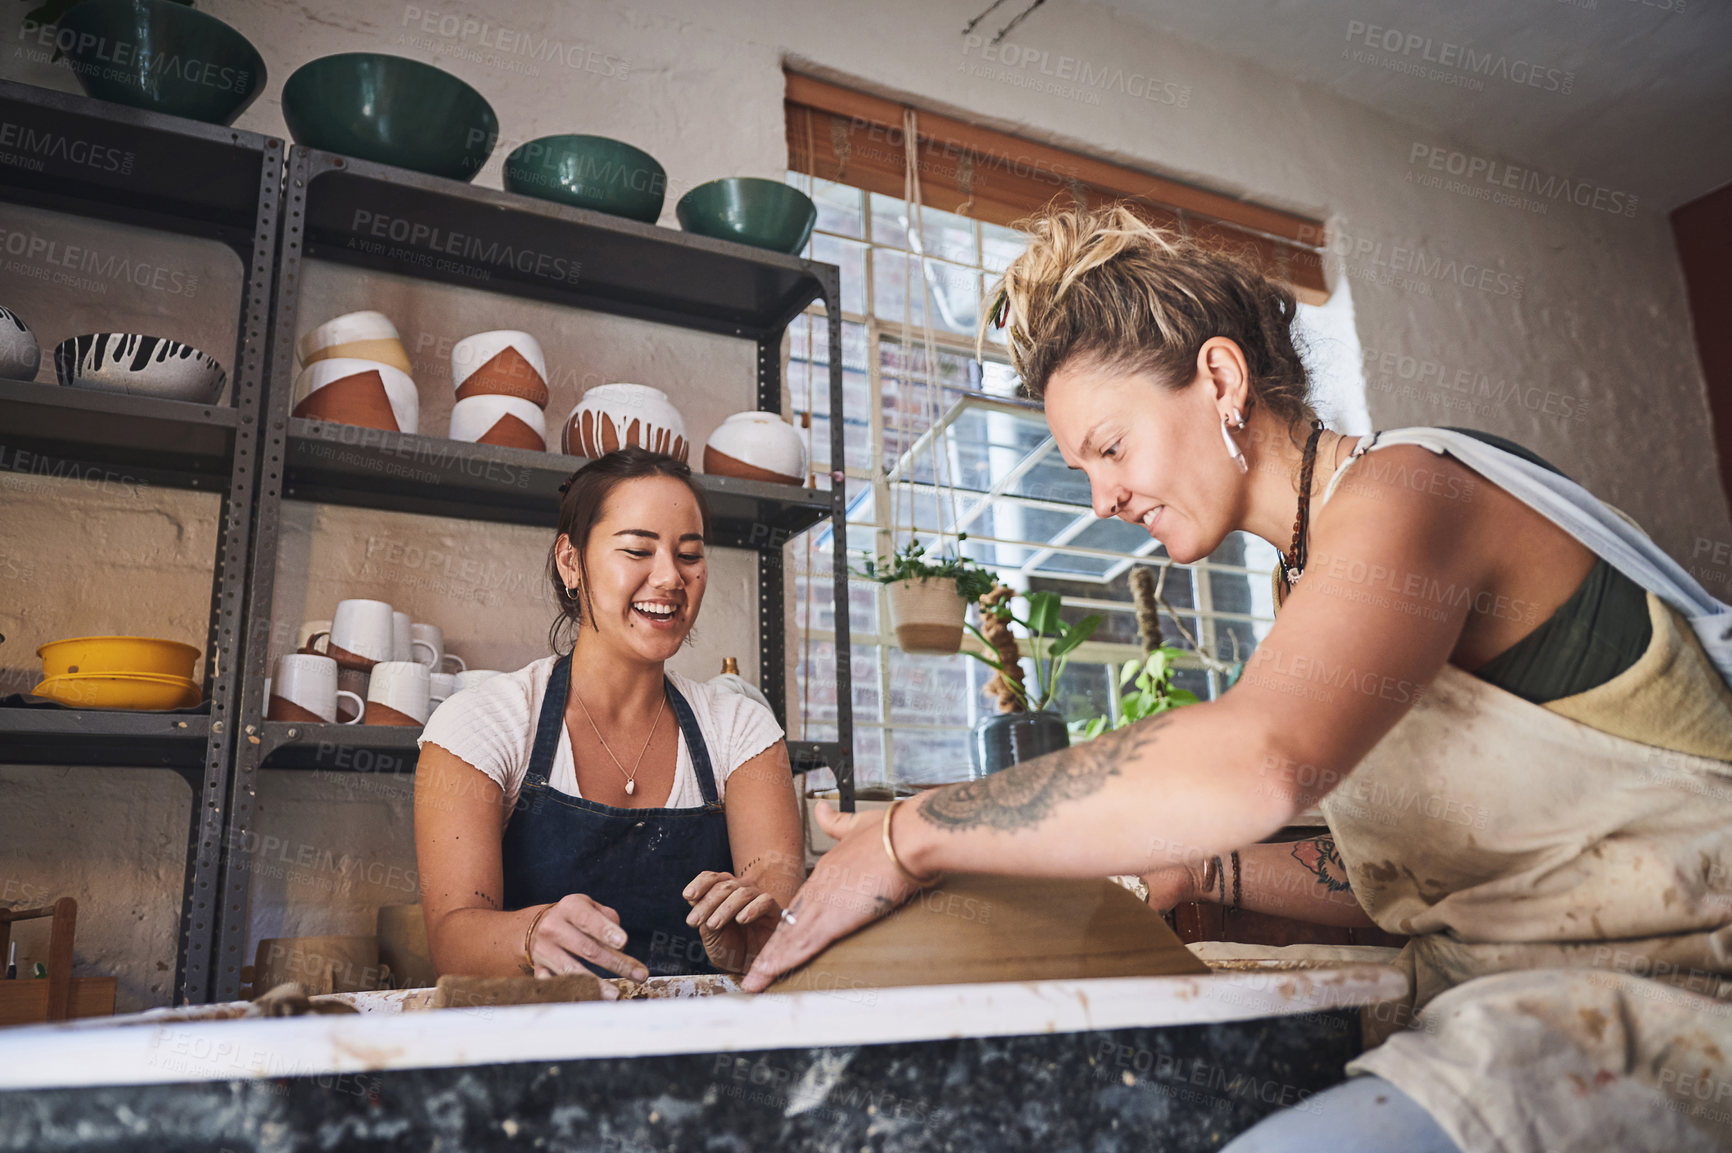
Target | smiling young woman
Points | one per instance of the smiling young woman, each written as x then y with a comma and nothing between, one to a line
594,809
1474,698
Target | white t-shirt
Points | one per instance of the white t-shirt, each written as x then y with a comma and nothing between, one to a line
492,726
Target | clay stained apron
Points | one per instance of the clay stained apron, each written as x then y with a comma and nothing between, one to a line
635,861
1569,893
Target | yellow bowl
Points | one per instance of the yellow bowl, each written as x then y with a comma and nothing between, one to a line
129,655
120,691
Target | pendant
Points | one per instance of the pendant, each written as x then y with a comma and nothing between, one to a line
630,787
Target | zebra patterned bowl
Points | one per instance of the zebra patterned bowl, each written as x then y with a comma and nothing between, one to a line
137,365
20,356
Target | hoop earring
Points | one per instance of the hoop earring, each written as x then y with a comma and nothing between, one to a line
1237,456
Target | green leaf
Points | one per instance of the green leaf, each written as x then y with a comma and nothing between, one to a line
1043,610
1076,634
1131,669
1182,696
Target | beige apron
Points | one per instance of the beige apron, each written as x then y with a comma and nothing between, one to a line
1569,893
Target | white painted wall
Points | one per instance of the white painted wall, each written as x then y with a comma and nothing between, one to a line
1580,312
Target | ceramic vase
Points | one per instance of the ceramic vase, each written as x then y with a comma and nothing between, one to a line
757,446
509,421
20,355
1006,739
611,416
364,393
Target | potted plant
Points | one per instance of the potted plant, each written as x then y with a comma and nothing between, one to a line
1026,725
928,596
1145,688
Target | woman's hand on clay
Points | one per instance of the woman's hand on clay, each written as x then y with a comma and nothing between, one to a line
579,929
853,885
724,909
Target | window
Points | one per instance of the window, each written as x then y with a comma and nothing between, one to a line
1026,514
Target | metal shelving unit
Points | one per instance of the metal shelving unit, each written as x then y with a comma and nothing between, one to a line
84,157
373,216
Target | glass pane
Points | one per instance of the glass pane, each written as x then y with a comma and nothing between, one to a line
1242,634
1113,535
948,236
929,690
931,757
952,291
1192,680
1053,480
840,208
820,696
1084,692
1231,592
850,257
889,222
998,379
1072,565
999,246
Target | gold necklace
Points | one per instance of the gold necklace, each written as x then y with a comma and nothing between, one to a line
631,777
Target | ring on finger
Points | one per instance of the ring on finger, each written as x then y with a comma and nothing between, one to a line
788,919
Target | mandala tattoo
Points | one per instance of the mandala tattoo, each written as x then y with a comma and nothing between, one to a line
1024,795
1319,857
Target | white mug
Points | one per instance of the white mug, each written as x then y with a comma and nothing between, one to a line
469,678
351,686
440,686
430,640
362,634
402,637
397,693
305,689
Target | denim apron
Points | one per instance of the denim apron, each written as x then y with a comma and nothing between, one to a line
635,861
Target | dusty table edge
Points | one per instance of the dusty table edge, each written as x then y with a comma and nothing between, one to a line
113,1052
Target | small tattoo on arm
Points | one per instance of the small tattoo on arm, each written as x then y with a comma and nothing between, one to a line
1319,857
1024,795
487,898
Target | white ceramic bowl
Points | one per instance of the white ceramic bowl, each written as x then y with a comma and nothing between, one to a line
357,402
505,420
362,335
757,446
139,365
20,355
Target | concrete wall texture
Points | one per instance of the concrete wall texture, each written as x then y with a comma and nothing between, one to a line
1567,331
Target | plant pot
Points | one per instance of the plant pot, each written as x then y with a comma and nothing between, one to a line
1005,739
927,615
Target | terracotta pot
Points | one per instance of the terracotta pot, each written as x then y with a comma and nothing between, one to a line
489,418
364,393
611,416
757,446
1005,739
927,615
505,362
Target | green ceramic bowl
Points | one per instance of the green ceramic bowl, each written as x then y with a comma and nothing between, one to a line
589,172
162,56
762,213
391,110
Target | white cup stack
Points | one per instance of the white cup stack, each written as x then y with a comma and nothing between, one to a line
501,382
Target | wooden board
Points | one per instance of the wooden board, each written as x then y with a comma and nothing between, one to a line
25,1001
988,928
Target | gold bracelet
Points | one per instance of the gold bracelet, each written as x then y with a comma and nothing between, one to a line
529,941
890,850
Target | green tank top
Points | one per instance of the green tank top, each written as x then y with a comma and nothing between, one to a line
1598,633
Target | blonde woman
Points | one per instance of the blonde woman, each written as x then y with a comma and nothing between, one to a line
1520,742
